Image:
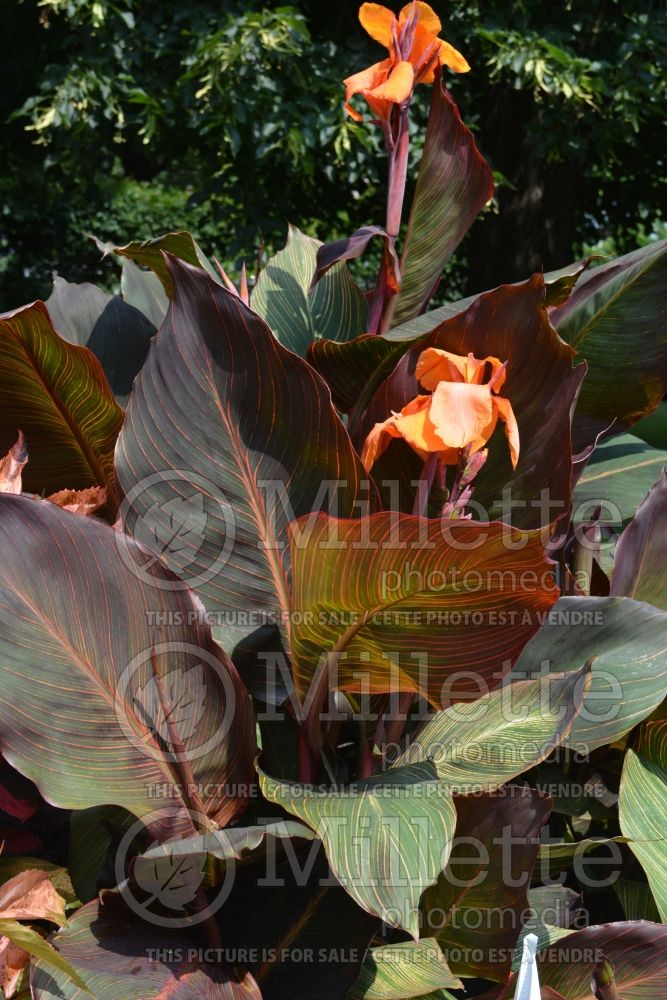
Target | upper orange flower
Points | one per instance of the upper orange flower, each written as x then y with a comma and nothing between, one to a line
462,411
414,52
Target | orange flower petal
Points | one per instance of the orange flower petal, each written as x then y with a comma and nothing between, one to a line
449,56
363,82
398,86
416,428
506,413
435,365
425,54
378,22
426,16
461,413
377,442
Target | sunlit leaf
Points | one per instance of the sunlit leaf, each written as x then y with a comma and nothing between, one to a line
77,645
641,553
386,839
643,805
335,309
220,451
393,597
453,185
58,395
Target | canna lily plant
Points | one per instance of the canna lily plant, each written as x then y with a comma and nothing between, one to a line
308,592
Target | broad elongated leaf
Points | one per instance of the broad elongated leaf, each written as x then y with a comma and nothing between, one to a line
637,950
95,834
618,476
479,745
643,806
511,324
641,553
335,309
77,655
410,969
174,871
453,185
355,369
144,290
557,284
116,333
477,907
222,448
386,839
616,319
151,254
32,942
354,246
627,642
349,368
637,900
556,858
58,395
380,591
118,957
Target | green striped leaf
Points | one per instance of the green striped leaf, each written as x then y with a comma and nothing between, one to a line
150,253
478,745
615,319
335,309
386,839
234,441
643,805
406,970
77,654
116,332
637,950
374,593
636,899
627,643
36,946
92,833
58,395
556,858
641,553
453,185
477,907
618,476
118,957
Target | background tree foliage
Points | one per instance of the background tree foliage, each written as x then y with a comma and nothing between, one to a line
126,119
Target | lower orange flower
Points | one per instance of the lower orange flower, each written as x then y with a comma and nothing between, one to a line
460,413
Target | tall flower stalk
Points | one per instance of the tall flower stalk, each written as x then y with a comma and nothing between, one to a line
415,51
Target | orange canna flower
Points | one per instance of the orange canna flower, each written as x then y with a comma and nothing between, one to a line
461,412
414,52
